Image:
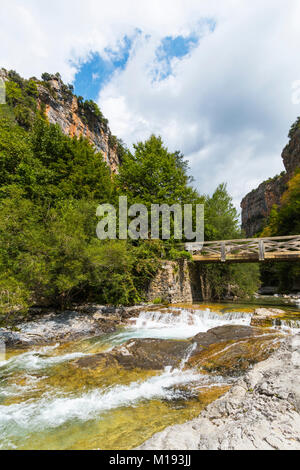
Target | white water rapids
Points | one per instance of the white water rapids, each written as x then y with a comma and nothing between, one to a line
55,407
179,323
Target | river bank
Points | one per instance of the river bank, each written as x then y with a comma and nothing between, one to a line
261,411
82,322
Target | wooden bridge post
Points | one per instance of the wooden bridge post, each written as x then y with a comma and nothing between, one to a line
223,252
261,250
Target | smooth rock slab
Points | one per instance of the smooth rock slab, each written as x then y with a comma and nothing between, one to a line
260,412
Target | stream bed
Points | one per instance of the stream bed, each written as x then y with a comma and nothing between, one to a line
49,401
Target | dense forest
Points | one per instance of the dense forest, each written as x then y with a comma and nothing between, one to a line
50,187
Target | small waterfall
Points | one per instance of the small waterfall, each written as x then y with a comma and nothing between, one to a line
189,352
290,325
183,323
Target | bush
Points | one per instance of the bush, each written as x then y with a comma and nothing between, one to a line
14,299
46,77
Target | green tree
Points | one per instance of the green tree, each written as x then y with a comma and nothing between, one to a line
222,223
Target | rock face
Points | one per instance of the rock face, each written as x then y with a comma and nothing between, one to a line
175,282
256,205
262,411
63,107
64,110
291,154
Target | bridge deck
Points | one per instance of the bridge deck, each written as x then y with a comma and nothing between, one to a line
247,250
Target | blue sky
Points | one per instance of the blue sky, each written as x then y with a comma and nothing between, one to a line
97,70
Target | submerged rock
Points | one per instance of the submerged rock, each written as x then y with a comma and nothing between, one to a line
260,412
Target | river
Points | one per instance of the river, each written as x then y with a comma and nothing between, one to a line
48,402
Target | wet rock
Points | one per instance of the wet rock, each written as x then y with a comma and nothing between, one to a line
154,354
265,316
225,333
260,412
233,358
217,350
57,327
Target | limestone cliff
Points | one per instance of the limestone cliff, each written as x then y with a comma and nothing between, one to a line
75,116
256,205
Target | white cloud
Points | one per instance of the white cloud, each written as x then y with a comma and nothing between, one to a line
227,105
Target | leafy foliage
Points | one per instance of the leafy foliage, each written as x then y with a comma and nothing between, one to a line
284,220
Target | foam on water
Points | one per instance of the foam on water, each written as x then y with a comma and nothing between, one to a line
36,359
184,324
46,412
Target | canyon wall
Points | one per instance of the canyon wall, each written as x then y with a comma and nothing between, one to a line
256,206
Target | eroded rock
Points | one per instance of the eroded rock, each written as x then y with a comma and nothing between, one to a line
152,354
227,349
260,412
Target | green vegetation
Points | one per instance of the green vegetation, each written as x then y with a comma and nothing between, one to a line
284,220
221,280
50,187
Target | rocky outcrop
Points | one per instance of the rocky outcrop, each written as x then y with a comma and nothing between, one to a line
63,109
260,412
229,349
175,282
74,117
256,206
291,153
149,354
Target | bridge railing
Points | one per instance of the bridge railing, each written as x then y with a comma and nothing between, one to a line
249,248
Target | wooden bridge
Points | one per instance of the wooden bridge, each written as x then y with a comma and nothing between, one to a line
247,250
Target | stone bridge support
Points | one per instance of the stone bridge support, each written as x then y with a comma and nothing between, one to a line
176,282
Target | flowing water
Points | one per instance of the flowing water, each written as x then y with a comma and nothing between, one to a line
48,402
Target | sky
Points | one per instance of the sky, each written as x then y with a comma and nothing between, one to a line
218,80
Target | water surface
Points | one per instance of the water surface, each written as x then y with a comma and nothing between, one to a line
47,402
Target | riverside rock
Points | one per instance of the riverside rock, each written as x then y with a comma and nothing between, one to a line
261,411
229,349
85,321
